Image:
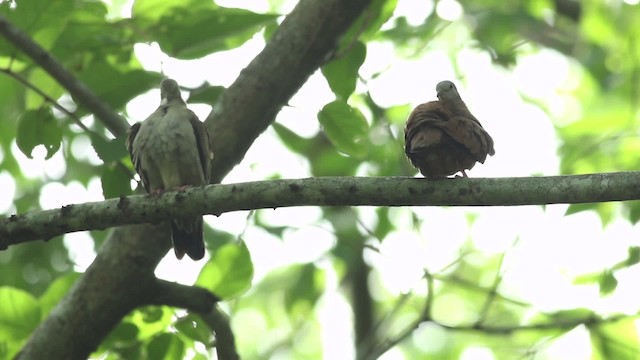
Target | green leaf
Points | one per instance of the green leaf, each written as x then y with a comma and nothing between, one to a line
191,31
369,22
345,127
615,340
576,208
577,314
634,211
11,93
591,278
89,36
308,285
229,272
115,86
124,334
275,230
4,350
166,346
109,150
604,210
398,114
291,140
199,356
206,95
155,9
384,225
329,162
43,20
56,291
194,328
402,34
45,83
19,314
151,320
342,73
633,255
116,181
607,283
151,314
38,127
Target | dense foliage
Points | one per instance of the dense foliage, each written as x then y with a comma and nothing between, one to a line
336,300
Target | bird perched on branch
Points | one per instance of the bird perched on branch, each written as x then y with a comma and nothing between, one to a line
170,149
442,138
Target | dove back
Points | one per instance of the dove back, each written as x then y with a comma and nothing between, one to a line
442,137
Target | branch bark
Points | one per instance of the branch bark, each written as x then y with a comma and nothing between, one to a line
225,340
324,191
248,106
203,303
116,282
192,298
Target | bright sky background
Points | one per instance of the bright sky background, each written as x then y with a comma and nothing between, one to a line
550,251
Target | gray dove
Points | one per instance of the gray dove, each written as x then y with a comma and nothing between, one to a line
171,149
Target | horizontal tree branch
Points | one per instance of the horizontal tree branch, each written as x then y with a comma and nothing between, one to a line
322,191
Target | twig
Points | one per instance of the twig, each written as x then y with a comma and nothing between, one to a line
114,122
473,286
492,293
62,109
47,98
425,316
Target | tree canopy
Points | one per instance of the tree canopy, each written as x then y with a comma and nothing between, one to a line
306,104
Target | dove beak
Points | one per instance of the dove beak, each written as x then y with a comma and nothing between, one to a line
164,102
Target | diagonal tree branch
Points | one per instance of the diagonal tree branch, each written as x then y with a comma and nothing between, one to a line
118,281
324,191
312,29
192,298
114,122
304,41
225,340
203,303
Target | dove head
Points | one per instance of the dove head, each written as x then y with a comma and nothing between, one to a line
447,90
170,91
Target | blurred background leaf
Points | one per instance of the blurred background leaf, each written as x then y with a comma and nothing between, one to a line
306,281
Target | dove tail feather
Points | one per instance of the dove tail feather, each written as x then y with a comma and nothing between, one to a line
187,238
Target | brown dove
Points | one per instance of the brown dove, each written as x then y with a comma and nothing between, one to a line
442,138
170,149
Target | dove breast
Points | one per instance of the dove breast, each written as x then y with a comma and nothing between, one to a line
168,149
